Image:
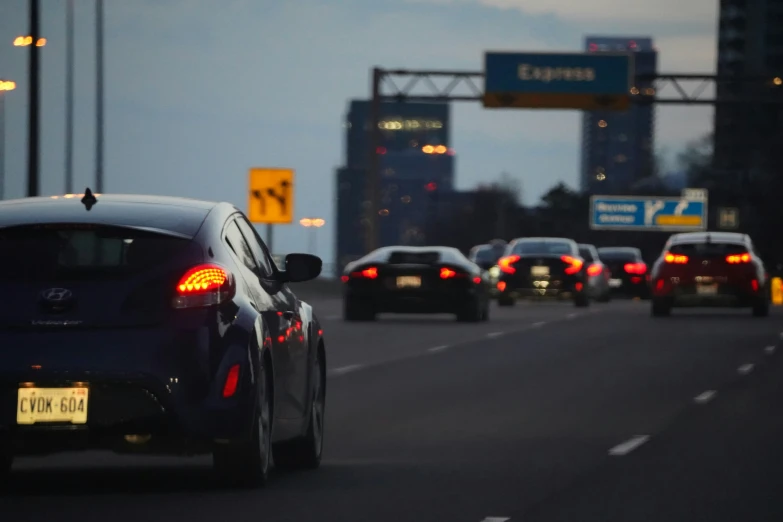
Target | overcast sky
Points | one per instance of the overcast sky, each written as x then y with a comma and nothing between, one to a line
197,91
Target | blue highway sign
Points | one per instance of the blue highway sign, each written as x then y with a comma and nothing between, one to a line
587,81
647,213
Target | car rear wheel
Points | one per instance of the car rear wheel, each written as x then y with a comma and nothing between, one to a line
761,308
581,300
505,300
357,311
473,312
247,463
305,452
660,308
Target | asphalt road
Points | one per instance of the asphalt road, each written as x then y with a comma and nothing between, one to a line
547,412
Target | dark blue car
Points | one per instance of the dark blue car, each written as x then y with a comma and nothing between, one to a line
155,325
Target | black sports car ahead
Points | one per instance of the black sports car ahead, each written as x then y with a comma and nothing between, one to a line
406,280
151,324
543,267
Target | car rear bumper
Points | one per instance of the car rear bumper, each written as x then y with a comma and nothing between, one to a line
414,302
554,288
142,390
726,297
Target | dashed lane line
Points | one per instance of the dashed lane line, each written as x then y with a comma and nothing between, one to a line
624,448
745,369
437,349
705,397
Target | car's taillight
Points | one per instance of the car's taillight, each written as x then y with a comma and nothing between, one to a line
204,285
576,264
736,259
367,273
505,264
594,270
677,259
448,273
232,382
635,268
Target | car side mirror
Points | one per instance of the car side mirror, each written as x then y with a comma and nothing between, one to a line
302,267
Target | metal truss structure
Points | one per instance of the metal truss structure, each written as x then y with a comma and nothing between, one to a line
403,85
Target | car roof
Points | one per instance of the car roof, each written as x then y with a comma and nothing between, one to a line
703,237
544,239
180,216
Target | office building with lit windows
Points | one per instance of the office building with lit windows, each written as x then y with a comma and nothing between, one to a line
618,147
750,44
416,167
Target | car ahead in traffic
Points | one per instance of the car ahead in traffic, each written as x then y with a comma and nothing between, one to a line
709,269
486,256
148,324
598,274
413,280
630,276
543,267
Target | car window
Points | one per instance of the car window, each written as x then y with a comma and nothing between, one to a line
620,254
257,246
586,254
239,246
541,247
486,255
707,249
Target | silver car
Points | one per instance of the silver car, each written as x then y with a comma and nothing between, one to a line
598,274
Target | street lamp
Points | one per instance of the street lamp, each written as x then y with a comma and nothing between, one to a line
26,41
5,86
312,224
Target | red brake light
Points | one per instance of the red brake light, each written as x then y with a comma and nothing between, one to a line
232,382
505,264
677,259
367,273
593,270
204,285
576,264
736,259
635,268
446,273
477,280
344,278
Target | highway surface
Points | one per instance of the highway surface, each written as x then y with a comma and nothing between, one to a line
547,412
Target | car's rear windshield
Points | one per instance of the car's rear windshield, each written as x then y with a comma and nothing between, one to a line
81,252
586,254
619,254
707,249
541,247
414,258
488,254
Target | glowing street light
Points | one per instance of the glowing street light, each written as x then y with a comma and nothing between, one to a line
26,41
5,86
312,224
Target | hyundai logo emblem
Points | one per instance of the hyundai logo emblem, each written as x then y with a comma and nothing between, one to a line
57,295
705,262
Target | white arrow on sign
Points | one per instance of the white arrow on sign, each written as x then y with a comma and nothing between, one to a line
650,208
680,208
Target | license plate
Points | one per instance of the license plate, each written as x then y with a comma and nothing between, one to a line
66,405
408,282
615,283
539,271
707,289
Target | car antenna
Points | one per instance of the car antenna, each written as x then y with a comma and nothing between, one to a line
89,200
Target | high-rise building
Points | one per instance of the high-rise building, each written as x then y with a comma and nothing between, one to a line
618,147
416,166
750,44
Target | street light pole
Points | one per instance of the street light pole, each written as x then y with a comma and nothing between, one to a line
69,99
99,96
34,99
2,144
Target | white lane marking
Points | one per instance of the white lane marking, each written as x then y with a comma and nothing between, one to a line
495,519
346,369
745,369
572,315
436,349
332,317
493,335
781,335
539,324
624,448
769,350
705,397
